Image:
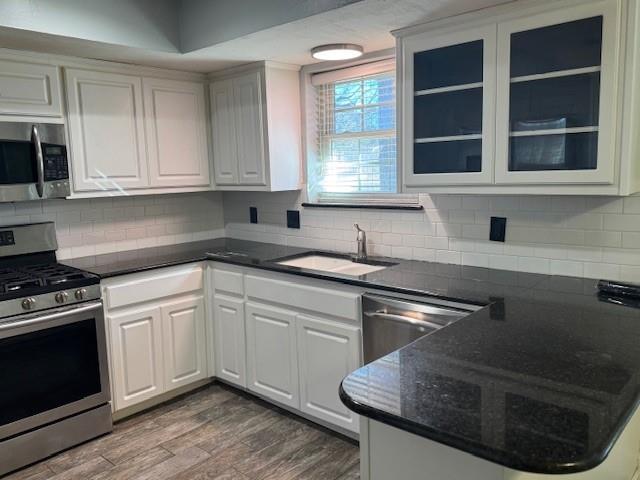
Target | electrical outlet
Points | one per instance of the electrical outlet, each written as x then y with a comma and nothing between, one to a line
253,214
498,229
293,218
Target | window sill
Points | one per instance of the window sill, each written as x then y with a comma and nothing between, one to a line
372,206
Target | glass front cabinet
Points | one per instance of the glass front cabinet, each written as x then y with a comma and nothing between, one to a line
523,99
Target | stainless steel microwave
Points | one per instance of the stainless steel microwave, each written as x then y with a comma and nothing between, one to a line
33,161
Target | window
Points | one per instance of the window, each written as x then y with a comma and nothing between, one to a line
355,134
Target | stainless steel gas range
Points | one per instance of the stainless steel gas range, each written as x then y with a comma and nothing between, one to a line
54,383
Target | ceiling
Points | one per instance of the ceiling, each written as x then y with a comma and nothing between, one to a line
192,42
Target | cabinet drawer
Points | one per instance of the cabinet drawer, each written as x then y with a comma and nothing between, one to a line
229,281
306,297
157,284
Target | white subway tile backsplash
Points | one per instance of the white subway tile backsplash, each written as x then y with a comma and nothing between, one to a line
582,236
107,225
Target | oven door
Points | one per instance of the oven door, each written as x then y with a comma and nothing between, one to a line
52,365
33,161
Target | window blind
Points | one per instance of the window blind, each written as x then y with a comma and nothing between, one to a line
355,133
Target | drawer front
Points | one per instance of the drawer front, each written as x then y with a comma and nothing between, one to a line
149,286
228,281
344,305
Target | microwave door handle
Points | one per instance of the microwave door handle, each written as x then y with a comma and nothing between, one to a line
35,138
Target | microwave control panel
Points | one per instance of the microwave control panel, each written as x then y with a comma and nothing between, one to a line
56,166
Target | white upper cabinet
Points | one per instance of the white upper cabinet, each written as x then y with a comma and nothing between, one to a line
225,147
448,132
30,89
256,124
176,128
247,94
136,135
557,96
108,148
534,98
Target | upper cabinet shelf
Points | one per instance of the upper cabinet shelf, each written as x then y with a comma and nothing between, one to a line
523,99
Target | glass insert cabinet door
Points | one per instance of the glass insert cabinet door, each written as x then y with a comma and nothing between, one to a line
448,107
557,95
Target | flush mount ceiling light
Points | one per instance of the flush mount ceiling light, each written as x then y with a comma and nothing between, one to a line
337,51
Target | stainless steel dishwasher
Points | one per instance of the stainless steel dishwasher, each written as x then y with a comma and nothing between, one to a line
390,323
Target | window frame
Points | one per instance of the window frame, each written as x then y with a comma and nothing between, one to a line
326,72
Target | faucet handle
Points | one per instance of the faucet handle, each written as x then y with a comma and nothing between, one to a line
358,227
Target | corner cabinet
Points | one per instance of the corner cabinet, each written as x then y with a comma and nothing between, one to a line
136,135
530,99
255,121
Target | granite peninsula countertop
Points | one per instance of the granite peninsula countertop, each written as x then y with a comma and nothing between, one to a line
544,378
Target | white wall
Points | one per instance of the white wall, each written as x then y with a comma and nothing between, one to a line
149,24
590,237
109,225
208,22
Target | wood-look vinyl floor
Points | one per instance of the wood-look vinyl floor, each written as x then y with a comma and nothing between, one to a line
215,433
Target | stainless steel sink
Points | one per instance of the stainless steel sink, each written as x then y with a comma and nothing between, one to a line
333,263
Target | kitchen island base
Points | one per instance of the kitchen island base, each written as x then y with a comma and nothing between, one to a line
390,453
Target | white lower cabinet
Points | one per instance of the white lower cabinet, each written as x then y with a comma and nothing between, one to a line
327,352
184,342
229,328
156,327
287,339
272,354
136,356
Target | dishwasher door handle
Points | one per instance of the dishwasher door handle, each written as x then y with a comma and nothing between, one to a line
403,319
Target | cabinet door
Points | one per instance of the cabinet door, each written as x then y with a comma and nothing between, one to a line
327,353
250,123
176,133
29,89
136,356
271,353
230,345
108,149
183,333
557,96
449,113
225,150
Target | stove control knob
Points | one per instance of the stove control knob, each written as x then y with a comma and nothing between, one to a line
81,294
28,303
61,297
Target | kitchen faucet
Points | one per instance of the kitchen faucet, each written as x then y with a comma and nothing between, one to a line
362,244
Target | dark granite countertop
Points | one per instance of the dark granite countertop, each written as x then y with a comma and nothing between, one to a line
543,379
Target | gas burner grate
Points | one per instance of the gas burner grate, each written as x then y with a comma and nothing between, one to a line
33,277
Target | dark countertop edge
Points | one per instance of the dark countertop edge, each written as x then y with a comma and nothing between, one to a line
472,448
352,281
271,267
146,268
412,208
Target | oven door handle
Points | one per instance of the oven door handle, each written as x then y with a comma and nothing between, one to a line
403,319
35,320
35,138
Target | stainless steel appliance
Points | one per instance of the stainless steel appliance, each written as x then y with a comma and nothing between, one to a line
54,383
33,161
390,323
